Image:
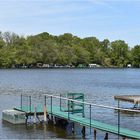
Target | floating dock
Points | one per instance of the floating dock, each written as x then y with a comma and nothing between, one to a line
135,99
14,116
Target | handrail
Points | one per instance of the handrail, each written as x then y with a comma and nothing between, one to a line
64,98
102,106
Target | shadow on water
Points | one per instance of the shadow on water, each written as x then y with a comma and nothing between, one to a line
39,131
33,131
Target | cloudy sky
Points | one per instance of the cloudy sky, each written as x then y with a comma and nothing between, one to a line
112,19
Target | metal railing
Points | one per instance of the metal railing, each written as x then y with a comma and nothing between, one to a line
90,108
86,103
119,109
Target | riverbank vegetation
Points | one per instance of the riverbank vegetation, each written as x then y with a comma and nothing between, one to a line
64,50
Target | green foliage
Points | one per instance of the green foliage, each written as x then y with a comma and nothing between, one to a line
65,49
136,56
118,53
2,43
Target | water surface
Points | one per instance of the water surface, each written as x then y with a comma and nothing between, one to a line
99,86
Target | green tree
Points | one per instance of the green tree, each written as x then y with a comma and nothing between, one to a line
136,56
82,56
92,45
64,49
2,43
118,53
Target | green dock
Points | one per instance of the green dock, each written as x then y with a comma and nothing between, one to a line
59,112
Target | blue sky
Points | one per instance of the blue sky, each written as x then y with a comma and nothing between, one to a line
112,19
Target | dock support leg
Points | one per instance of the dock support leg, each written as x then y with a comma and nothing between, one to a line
60,102
45,114
95,132
45,110
90,118
73,128
38,118
35,114
48,117
83,130
51,107
26,119
21,101
30,106
118,120
106,136
51,117
54,120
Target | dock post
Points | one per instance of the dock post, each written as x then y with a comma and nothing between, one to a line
73,127
45,114
118,119
30,106
30,103
95,132
60,102
21,101
68,109
83,130
35,114
51,109
90,118
106,136
26,119
83,114
54,120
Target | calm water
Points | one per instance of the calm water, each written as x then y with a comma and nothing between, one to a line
99,86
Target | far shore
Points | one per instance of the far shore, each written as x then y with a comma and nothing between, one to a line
69,68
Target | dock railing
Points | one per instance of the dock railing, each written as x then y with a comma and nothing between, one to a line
92,105
54,100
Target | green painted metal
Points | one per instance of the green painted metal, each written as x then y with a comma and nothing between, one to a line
83,121
76,107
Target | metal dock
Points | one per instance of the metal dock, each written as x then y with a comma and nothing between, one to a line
74,112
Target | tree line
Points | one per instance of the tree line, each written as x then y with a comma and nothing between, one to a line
66,49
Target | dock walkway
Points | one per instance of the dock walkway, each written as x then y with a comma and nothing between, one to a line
57,112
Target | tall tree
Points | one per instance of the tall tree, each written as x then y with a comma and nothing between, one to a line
136,56
118,53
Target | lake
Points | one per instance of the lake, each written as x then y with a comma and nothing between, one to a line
99,86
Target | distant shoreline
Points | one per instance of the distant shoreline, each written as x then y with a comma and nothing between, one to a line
65,51
65,68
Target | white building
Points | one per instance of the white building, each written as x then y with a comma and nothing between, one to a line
129,65
94,65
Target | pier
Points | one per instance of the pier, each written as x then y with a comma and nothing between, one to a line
72,109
